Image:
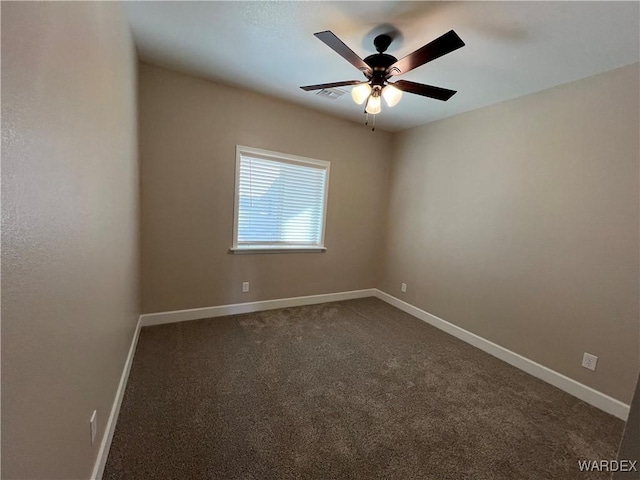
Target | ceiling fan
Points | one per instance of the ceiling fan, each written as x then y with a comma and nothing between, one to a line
380,67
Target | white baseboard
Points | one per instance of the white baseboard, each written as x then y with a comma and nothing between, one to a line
107,437
222,310
572,387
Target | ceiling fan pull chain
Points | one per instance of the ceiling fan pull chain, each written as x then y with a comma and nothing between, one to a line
373,129
366,119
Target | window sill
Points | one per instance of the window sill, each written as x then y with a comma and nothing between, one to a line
261,249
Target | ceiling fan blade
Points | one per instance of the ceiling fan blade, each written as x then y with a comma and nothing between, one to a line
430,91
331,85
442,45
341,49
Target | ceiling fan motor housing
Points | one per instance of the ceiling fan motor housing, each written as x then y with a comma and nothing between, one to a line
379,63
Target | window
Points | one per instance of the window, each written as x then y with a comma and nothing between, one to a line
281,202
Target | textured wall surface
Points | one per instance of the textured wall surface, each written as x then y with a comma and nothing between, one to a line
519,223
69,230
189,129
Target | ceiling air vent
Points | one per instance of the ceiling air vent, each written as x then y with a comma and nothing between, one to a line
331,93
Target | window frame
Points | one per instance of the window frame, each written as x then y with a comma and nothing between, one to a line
241,151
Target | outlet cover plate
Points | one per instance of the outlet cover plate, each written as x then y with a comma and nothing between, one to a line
403,287
245,287
589,361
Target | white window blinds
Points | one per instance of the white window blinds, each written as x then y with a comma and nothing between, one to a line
281,200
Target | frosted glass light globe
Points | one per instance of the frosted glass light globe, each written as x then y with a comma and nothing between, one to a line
360,93
391,95
373,105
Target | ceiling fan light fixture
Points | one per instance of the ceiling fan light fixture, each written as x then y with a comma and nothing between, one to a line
373,105
391,95
379,67
360,93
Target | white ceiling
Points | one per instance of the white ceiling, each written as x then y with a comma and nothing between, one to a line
512,48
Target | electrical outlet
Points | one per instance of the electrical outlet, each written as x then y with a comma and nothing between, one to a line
245,287
93,422
589,361
403,287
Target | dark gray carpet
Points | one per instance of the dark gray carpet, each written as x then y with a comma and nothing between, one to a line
347,390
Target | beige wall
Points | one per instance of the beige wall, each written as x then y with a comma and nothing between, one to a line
189,129
69,230
519,222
